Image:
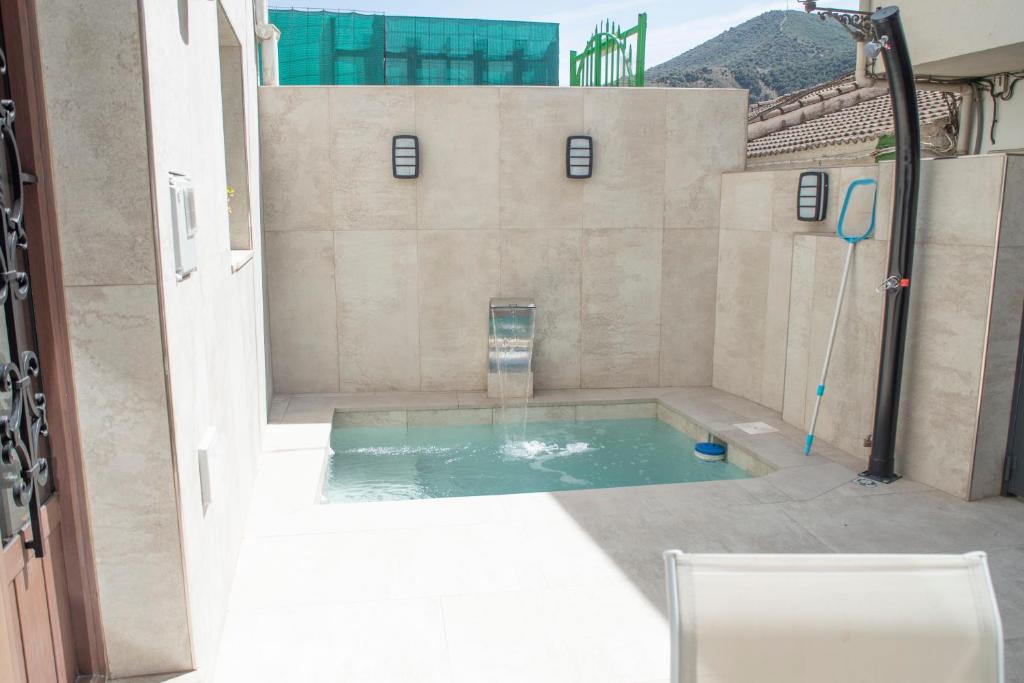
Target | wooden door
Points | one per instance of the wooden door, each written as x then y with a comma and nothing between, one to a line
49,625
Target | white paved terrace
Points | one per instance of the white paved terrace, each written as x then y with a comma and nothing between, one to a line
559,587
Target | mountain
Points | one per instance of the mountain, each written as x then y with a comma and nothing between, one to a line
772,54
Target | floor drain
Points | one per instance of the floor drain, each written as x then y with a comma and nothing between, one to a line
867,483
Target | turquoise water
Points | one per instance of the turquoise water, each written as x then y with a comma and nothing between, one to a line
395,463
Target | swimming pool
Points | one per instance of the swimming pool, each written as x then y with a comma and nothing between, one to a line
402,463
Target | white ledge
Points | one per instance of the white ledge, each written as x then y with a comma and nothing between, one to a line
240,257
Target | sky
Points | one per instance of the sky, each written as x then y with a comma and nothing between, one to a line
673,26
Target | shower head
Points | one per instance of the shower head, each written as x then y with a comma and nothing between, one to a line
873,48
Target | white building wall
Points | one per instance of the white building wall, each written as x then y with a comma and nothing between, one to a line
1008,134
213,330
98,133
953,38
161,366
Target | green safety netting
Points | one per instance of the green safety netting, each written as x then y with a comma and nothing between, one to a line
320,47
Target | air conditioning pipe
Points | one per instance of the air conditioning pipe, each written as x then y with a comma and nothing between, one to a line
268,35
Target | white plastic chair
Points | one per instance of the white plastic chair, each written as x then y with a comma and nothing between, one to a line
833,619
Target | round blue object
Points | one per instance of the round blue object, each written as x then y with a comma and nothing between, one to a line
705,450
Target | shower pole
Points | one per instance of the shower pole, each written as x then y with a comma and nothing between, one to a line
899,72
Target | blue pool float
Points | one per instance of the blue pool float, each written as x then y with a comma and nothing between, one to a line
709,452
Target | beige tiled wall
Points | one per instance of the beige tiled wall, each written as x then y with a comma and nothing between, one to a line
163,366
1003,337
622,265
777,283
105,219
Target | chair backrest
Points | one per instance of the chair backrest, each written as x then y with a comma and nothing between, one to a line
833,618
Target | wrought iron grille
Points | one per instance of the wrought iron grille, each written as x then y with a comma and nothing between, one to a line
23,427
856,23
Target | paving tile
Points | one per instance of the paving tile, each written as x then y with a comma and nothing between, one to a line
921,521
373,642
288,643
761,489
353,566
625,411
597,549
773,448
451,416
763,528
301,436
1015,661
710,494
384,418
534,413
866,487
608,634
811,481
283,517
1007,568
278,407
316,404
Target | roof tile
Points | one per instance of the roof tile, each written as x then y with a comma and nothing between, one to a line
856,123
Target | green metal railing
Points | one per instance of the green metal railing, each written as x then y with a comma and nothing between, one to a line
609,59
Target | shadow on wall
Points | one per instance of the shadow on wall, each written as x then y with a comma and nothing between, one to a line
183,20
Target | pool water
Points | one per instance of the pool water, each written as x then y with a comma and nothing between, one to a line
398,463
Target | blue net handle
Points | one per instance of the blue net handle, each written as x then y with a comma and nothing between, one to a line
853,239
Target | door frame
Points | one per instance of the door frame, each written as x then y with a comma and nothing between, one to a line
1014,464
54,348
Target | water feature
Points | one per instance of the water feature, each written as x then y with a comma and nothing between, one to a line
510,357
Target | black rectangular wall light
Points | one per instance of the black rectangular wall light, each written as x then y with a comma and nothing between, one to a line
812,196
405,156
579,156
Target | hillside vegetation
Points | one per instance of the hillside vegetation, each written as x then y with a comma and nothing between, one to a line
772,54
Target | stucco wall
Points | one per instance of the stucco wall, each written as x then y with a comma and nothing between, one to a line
950,38
778,280
159,364
213,320
383,284
102,187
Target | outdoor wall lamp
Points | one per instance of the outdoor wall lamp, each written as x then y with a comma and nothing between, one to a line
812,196
579,156
405,156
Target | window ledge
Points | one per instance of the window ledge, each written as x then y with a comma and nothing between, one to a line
239,258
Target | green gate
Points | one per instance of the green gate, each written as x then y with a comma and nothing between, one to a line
610,58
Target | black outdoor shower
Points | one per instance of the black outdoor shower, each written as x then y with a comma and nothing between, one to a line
883,31
900,74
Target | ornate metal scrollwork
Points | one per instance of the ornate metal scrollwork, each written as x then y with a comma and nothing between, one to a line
24,425
856,23
12,280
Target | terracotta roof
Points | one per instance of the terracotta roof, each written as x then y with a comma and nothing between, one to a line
857,121
760,111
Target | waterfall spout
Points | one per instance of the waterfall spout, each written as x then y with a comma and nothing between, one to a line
510,349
